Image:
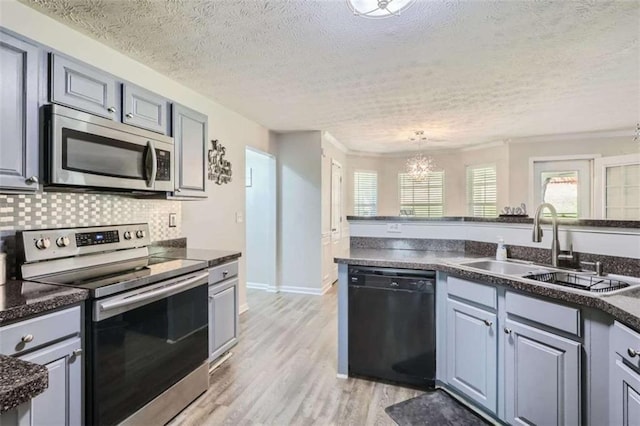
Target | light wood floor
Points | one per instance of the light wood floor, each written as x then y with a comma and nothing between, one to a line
283,371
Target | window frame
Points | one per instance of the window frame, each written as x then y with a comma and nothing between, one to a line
443,200
355,203
470,186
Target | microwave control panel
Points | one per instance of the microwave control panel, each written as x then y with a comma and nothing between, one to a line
163,163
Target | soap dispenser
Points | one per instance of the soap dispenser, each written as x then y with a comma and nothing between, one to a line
501,251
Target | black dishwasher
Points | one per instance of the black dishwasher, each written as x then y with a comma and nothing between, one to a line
392,325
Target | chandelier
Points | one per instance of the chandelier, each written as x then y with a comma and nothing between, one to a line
378,8
419,166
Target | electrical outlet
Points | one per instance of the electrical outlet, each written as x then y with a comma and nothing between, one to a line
172,220
239,217
395,228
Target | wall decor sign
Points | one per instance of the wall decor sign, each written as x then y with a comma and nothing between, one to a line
219,168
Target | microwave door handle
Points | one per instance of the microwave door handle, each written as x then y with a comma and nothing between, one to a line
151,151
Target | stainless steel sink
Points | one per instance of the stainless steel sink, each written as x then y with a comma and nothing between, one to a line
586,282
503,267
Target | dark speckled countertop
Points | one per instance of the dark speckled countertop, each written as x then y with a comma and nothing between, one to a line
213,257
623,305
23,299
20,381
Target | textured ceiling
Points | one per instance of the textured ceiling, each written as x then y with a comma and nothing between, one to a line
467,72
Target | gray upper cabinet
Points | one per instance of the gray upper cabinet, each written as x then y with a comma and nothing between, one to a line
190,132
472,347
144,109
83,87
19,64
542,377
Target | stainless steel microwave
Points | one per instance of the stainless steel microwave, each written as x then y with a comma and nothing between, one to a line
83,150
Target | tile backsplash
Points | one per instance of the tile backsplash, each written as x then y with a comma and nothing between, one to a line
67,209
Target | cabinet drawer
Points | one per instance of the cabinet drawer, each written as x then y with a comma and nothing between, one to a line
223,272
625,341
474,292
557,316
43,330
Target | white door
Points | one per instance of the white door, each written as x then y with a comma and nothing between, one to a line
617,187
336,214
564,183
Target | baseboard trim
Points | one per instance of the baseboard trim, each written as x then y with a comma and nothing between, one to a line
243,308
301,290
257,286
342,376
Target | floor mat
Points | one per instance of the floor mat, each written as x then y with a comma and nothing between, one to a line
433,408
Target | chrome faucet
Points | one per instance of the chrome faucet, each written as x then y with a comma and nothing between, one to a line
555,243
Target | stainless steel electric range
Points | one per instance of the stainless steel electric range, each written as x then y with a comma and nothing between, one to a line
145,321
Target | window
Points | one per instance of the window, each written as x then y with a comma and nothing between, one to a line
617,183
422,198
365,193
565,183
482,191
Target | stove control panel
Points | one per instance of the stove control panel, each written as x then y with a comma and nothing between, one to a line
93,238
47,244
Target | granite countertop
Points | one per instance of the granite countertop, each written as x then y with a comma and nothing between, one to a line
212,257
600,223
20,381
22,299
623,305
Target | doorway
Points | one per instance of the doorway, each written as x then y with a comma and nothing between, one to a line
260,219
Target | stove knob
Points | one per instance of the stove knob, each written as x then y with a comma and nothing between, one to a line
62,241
140,234
43,243
127,235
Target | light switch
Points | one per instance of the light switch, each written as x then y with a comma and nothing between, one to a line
395,228
172,220
239,217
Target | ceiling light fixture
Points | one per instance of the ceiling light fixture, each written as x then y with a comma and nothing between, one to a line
378,8
419,166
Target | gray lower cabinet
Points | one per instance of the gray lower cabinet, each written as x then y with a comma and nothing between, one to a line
19,64
83,87
625,395
472,348
61,403
190,132
144,109
223,317
624,398
542,377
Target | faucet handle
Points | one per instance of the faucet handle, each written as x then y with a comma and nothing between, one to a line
598,267
568,255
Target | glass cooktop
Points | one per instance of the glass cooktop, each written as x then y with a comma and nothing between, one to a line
114,278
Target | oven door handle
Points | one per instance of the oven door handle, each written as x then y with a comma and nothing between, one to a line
153,294
151,164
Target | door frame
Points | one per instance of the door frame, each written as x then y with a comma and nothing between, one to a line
272,284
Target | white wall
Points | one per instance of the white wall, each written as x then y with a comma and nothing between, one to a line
299,211
622,242
511,159
454,165
206,224
260,220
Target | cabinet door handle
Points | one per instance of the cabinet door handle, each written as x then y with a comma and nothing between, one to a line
111,110
129,115
225,273
77,352
507,330
633,353
27,338
210,297
32,180
488,323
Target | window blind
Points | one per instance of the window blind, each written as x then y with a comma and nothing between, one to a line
482,191
422,198
365,193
